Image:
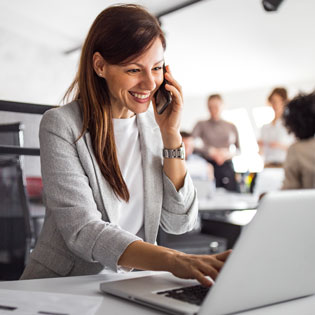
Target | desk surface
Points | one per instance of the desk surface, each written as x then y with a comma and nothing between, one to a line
89,285
224,200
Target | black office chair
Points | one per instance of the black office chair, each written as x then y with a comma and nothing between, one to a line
16,227
17,237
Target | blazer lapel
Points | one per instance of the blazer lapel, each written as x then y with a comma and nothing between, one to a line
110,201
151,150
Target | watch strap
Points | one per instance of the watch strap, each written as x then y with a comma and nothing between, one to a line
178,153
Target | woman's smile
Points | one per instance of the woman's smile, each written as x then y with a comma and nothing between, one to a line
140,97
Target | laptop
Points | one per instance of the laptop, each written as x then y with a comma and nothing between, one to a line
272,261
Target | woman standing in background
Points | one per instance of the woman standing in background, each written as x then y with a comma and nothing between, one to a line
275,139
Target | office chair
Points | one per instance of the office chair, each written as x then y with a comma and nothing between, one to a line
16,227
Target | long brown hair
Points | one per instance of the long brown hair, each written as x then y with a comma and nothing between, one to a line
119,33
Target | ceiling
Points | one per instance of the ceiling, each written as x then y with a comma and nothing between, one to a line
214,45
61,24
230,45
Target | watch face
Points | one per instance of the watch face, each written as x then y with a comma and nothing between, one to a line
182,154
182,147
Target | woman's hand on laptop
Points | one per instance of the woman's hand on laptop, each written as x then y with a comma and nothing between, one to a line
145,256
198,267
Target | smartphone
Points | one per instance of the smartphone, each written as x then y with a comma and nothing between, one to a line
162,97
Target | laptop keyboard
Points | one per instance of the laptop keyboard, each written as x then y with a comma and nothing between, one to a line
193,295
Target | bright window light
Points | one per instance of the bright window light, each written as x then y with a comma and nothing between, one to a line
248,160
239,117
263,115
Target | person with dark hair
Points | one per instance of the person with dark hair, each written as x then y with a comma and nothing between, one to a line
220,143
112,170
274,138
299,166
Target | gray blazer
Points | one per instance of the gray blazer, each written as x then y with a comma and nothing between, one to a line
80,235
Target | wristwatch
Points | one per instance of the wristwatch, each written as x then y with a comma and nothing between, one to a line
178,153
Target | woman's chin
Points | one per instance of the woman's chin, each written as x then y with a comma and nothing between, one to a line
141,109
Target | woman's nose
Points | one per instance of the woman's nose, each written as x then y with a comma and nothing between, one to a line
148,81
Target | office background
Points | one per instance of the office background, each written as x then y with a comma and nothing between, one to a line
232,47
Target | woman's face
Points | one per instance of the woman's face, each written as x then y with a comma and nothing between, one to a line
133,85
277,104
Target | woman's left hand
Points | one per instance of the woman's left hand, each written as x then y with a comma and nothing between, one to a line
169,121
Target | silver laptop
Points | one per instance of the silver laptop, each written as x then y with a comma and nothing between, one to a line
273,261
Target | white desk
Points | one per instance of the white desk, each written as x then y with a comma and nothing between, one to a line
89,285
225,213
224,200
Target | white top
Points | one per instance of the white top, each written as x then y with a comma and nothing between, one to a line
275,133
131,214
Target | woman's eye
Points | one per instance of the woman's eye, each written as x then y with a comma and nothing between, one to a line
157,68
133,70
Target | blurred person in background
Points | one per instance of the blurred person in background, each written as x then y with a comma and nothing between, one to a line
220,143
274,138
199,169
299,166
197,166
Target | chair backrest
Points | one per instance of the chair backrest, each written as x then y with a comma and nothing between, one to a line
16,231
11,134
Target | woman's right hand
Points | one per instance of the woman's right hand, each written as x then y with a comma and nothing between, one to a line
145,256
198,267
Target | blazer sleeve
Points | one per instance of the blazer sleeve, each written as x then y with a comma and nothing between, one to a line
180,208
69,197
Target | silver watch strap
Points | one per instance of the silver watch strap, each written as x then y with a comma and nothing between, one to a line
178,153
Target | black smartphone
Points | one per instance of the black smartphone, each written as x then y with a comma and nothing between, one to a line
162,97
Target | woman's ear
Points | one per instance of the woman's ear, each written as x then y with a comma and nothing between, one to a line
99,65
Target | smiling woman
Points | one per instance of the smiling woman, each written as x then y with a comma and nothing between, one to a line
117,39
132,85
107,185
